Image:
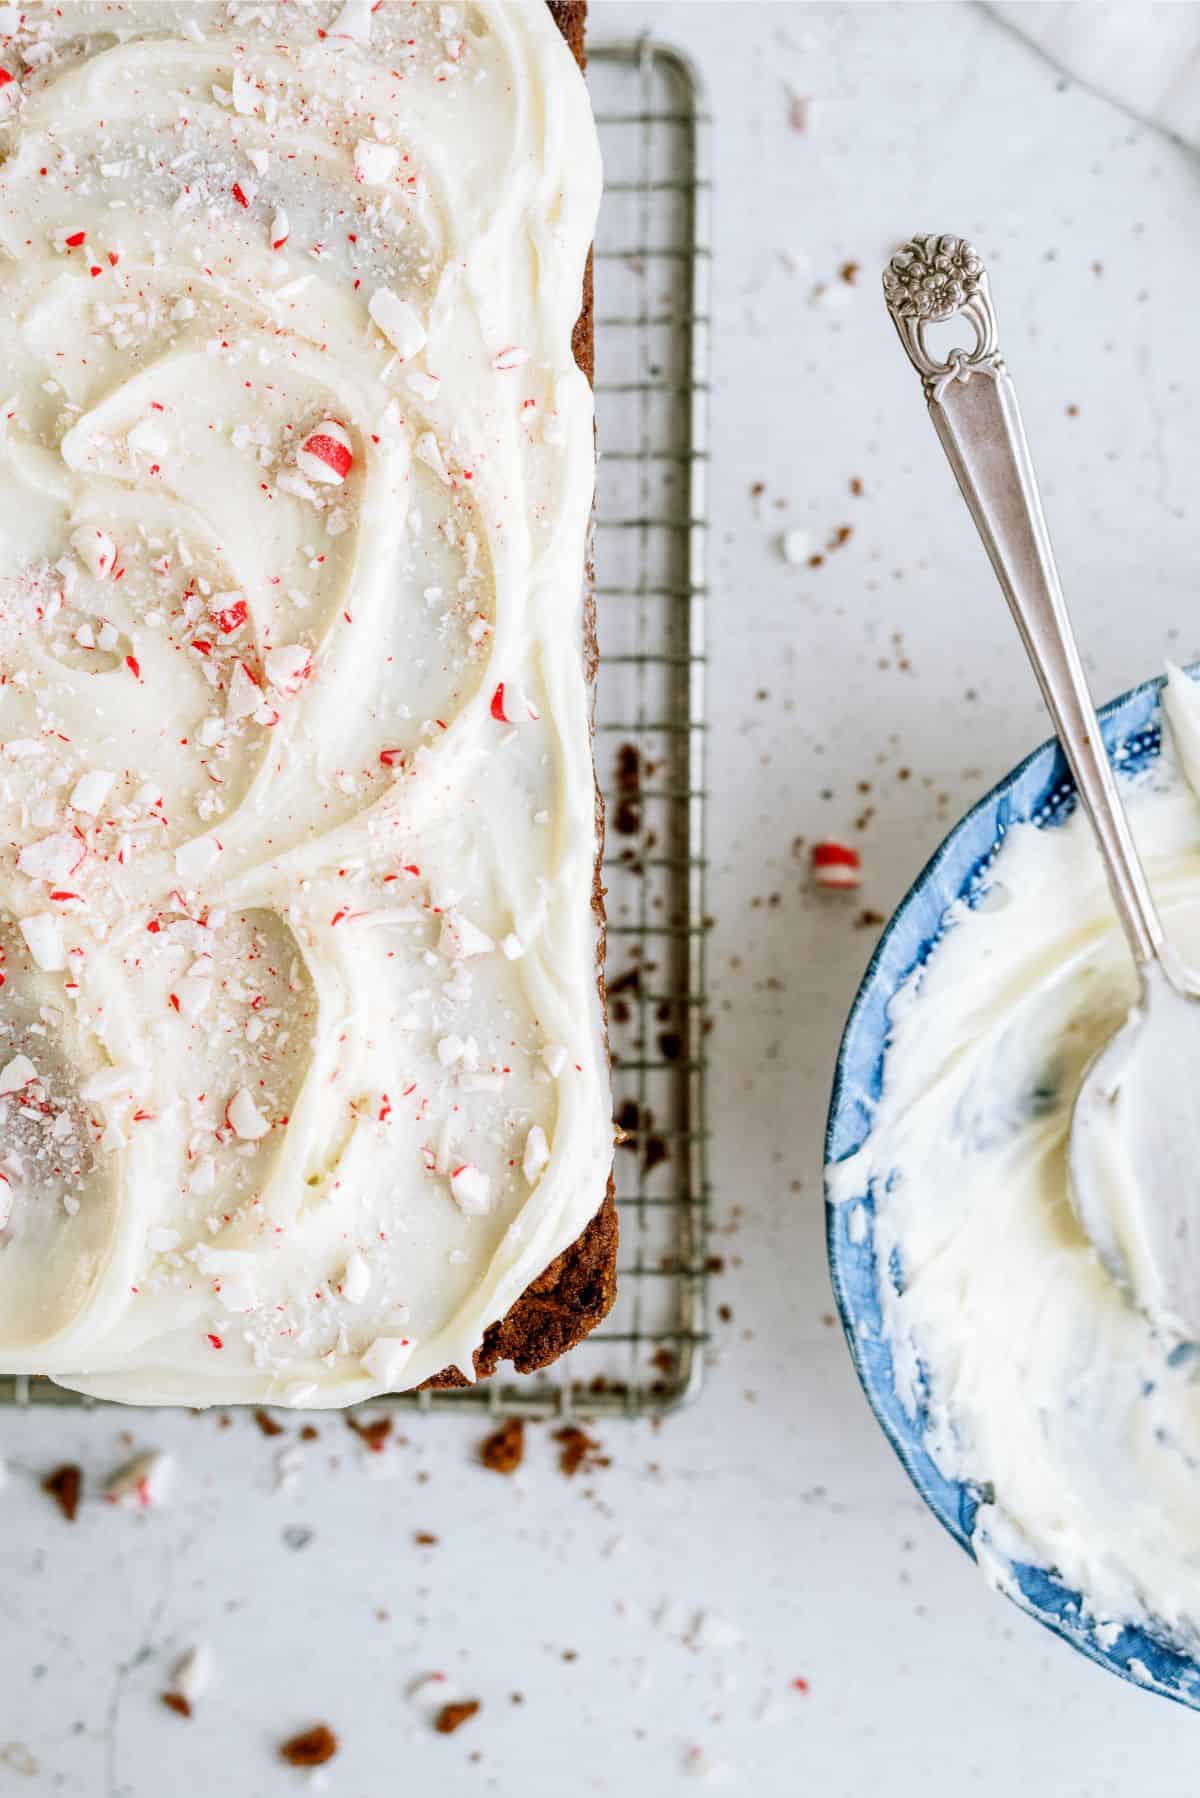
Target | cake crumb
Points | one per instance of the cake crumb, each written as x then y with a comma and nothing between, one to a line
504,1450
64,1486
175,1701
453,1716
578,1452
374,1434
267,1424
311,1748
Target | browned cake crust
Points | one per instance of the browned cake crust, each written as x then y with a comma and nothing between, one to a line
577,1290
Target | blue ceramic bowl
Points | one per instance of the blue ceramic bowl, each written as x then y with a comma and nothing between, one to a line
1040,790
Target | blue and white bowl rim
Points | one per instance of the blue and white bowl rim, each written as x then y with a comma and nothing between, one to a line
1040,789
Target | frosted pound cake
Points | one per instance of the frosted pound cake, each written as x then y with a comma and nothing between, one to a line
302,1053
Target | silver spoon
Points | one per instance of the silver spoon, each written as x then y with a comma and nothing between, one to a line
1135,1132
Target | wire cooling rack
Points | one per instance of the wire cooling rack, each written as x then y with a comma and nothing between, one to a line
652,325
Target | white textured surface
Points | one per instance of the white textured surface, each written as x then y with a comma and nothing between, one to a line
774,1507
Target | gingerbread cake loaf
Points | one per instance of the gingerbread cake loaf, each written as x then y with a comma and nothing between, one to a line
304,1084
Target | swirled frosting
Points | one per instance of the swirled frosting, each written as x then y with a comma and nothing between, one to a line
301,1061
1032,1374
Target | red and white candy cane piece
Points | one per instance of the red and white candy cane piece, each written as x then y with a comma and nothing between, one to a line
512,357
245,694
326,454
512,705
288,666
230,617
95,549
279,229
8,88
142,1481
470,1189
836,867
53,858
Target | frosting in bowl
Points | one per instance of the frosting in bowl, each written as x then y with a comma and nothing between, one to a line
1030,1374
300,1042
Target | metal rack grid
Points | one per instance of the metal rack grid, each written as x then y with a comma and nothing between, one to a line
652,325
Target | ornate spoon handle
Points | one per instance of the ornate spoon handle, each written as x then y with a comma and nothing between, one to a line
973,405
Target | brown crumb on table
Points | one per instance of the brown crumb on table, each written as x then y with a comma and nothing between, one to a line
504,1450
64,1486
849,273
869,920
310,1433
578,1452
374,1434
453,1716
175,1701
267,1424
311,1748
856,486
425,1538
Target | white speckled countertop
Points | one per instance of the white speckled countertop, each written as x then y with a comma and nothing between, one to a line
655,1613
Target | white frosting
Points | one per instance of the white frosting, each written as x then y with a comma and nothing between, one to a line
295,473
1033,1370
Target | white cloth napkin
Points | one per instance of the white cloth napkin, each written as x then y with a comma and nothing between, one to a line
1146,57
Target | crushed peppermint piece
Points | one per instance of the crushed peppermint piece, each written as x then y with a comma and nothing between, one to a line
142,1481
279,229
326,455
399,321
195,859
288,666
470,1189
53,858
836,867
244,1117
509,358
426,450
511,705
95,549
375,163
192,1673
460,938
536,1158
16,1074
44,940
386,1359
245,694
91,790
355,1282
